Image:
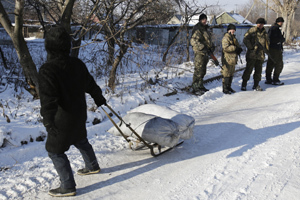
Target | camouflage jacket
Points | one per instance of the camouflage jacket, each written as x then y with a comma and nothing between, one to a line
201,39
251,39
229,46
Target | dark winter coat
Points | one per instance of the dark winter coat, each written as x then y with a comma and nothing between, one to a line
63,82
275,36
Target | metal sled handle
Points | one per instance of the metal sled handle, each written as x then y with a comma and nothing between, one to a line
125,137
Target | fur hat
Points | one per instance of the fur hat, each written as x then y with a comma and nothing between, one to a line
279,19
202,16
58,41
261,21
231,27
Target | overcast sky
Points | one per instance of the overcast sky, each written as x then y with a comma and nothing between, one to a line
228,5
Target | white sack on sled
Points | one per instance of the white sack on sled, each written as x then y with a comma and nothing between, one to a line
185,123
150,127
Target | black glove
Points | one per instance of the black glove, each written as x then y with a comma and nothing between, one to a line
101,101
238,50
52,130
212,49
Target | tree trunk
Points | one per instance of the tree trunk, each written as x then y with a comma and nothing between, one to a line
66,23
289,26
187,44
3,59
27,64
75,47
29,68
112,75
111,51
170,45
284,26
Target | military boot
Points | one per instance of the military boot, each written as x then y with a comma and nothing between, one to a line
201,85
256,86
226,85
244,85
230,82
198,87
276,80
268,79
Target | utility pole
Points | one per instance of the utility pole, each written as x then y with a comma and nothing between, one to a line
249,11
266,11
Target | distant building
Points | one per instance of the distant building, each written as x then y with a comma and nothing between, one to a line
179,19
231,18
176,19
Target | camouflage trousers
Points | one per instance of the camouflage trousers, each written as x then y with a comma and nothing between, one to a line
276,55
228,70
200,62
253,64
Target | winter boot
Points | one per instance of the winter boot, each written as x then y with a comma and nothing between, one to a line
86,171
256,86
62,192
230,82
198,87
201,85
226,82
268,79
244,85
277,83
276,80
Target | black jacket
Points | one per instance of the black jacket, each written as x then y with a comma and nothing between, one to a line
63,83
275,36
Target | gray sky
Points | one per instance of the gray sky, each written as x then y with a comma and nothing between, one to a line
228,5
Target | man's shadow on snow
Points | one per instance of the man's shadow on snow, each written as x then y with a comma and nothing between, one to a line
207,139
221,136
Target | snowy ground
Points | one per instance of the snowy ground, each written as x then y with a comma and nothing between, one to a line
245,146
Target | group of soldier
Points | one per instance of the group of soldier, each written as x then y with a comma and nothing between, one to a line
257,41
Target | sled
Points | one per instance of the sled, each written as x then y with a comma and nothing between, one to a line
139,143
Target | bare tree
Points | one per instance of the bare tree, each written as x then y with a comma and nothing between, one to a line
287,8
256,12
61,12
16,34
215,10
188,11
117,17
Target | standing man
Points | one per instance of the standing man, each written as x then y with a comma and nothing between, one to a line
255,39
276,39
231,51
201,41
63,82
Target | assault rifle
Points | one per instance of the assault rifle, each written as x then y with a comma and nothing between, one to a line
212,56
260,46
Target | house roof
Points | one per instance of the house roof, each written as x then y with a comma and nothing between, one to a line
237,17
179,17
195,19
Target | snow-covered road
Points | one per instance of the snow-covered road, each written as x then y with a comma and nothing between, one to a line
245,146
